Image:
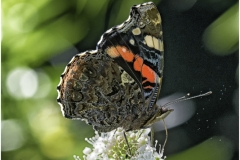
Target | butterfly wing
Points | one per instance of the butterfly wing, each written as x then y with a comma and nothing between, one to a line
119,82
137,46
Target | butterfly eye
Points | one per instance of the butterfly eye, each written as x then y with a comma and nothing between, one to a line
76,96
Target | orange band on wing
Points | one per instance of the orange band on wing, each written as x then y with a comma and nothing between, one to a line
122,51
137,65
148,73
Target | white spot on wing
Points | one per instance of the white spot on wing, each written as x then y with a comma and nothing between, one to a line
149,41
156,43
132,42
161,48
136,31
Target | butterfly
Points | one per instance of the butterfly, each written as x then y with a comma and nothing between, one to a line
117,84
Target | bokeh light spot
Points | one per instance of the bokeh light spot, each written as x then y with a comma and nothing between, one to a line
12,135
22,83
28,83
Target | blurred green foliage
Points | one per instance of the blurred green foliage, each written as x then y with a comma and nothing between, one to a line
34,32
222,36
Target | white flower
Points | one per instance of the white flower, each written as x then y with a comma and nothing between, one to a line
112,145
87,150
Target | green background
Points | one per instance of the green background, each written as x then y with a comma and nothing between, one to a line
40,37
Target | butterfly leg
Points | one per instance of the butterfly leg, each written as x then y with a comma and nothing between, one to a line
127,143
166,135
152,136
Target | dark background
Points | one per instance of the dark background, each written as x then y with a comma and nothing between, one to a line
201,54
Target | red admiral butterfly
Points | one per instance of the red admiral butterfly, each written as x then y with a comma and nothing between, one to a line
117,84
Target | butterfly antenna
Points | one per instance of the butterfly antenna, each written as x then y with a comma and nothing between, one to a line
184,98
